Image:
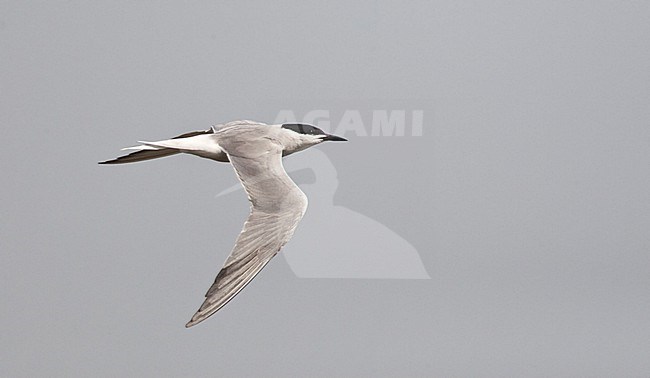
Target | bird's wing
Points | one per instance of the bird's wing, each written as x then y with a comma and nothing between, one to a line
148,152
277,207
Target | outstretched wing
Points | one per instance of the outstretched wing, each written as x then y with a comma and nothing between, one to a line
277,207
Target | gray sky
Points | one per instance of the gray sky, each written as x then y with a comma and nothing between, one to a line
527,197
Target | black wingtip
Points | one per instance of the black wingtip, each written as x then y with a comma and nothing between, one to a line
110,162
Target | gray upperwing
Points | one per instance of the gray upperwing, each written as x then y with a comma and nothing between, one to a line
277,207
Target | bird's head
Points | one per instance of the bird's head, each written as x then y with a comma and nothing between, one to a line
299,136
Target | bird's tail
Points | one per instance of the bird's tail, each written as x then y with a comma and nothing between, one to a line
153,150
143,153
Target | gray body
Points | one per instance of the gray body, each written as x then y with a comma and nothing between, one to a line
218,134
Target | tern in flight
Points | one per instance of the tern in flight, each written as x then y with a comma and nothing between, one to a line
255,150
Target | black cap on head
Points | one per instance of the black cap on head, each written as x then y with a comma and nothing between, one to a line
303,128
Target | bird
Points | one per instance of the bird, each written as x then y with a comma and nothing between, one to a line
255,150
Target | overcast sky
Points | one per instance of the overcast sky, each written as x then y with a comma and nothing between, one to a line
525,197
